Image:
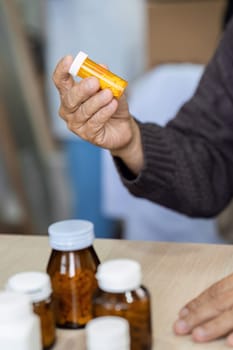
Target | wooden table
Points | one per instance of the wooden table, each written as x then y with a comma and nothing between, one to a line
174,273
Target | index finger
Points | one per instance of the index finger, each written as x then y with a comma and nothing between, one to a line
215,291
61,76
208,305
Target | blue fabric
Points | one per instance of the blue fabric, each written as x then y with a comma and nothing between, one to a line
83,161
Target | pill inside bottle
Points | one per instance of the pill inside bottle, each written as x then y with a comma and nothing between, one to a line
84,67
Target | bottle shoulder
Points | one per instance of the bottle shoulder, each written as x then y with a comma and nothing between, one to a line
138,295
66,261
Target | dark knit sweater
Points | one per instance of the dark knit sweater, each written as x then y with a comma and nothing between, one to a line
188,165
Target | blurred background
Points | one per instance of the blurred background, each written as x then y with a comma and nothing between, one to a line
48,174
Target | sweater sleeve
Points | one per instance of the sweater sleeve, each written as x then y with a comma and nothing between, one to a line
188,164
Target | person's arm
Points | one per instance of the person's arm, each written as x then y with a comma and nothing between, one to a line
228,13
188,165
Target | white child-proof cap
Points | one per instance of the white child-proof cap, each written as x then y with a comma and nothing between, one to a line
36,285
119,275
71,235
14,306
108,333
78,61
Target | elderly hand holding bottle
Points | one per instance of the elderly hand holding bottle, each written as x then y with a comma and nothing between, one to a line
96,116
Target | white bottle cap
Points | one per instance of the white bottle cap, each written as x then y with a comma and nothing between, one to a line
108,333
71,235
119,276
36,285
78,61
14,306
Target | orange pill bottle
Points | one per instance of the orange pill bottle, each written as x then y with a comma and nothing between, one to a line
84,67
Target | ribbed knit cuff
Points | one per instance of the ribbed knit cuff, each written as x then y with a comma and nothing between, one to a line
157,173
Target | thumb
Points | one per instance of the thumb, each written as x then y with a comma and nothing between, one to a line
61,77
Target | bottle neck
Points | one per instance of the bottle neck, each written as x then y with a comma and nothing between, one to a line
64,249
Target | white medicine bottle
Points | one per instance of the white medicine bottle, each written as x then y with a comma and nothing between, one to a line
19,326
108,333
36,285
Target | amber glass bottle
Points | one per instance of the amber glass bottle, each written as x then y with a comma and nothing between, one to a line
72,267
38,287
44,309
120,294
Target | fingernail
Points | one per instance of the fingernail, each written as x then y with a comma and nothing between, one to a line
66,61
91,83
199,333
184,312
181,327
106,93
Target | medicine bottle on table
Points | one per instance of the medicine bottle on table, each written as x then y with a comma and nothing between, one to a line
38,288
72,267
120,293
19,326
108,333
84,67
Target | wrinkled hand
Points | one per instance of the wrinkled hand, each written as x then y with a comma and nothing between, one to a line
210,315
96,116
91,113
